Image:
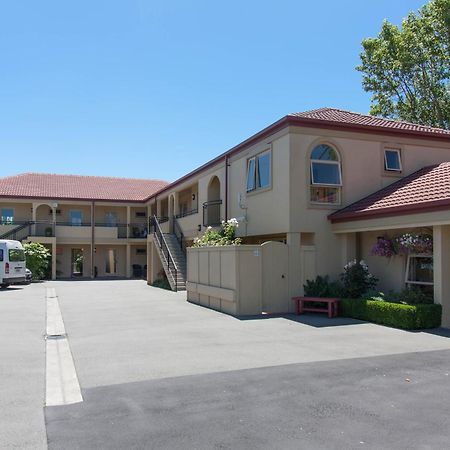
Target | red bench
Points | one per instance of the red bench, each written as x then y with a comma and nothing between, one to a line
331,305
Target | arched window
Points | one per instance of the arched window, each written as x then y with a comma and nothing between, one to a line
326,175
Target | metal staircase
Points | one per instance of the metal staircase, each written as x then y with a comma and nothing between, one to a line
19,233
172,257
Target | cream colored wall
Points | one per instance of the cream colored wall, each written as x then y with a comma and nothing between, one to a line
65,209
266,211
390,271
22,211
64,260
362,174
102,210
100,259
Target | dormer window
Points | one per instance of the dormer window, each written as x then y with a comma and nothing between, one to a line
392,160
326,175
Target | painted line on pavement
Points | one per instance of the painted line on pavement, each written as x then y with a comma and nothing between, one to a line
61,381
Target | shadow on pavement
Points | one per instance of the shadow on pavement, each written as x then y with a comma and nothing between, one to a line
313,320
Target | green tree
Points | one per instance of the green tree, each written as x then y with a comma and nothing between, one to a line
407,69
37,259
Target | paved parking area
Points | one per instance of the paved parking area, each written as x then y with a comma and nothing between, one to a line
158,372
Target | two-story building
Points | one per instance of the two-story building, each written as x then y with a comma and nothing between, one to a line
93,226
299,181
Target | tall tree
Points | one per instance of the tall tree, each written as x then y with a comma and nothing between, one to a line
407,69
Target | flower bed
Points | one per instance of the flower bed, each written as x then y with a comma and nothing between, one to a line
397,315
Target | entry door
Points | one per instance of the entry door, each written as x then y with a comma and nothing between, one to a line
77,260
111,262
275,293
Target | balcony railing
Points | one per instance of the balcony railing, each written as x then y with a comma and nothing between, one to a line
137,230
211,213
162,219
186,213
122,228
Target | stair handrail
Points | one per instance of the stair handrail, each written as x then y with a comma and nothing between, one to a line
17,229
178,232
165,250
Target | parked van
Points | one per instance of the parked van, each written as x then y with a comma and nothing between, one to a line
12,263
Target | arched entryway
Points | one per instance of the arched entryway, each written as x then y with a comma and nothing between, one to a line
212,208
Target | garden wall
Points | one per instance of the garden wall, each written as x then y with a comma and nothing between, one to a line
239,280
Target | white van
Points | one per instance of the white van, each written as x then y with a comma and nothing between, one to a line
12,263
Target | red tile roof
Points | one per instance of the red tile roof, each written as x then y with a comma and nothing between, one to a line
428,189
348,118
78,187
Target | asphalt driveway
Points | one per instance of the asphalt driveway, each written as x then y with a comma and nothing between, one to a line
158,372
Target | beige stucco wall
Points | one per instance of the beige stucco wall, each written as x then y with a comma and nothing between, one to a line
64,260
102,210
100,259
22,211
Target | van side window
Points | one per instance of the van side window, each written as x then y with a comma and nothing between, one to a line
1,255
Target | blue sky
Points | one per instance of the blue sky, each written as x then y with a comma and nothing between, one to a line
151,89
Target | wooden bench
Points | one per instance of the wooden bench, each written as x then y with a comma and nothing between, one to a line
331,305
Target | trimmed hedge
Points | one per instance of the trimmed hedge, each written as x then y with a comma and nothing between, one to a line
397,315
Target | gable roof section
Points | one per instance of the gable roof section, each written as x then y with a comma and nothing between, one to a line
78,187
428,189
328,118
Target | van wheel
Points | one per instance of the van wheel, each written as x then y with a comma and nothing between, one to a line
4,286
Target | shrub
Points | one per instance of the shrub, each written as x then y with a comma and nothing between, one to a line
410,296
398,315
37,259
162,283
357,280
322,287
225,236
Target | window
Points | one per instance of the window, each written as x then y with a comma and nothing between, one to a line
392,160
141,251
326,176
16,255
7,215
258,172
111,219
1,255
419,270
141,215
76,218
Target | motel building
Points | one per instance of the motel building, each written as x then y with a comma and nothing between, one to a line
322,187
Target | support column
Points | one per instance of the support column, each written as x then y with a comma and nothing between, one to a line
128,221
295,272
54,259
92,247
441,270
149,260
348,248
128,260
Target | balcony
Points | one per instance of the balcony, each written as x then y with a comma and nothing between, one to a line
138,230
111,231
211,213
186,213
81,230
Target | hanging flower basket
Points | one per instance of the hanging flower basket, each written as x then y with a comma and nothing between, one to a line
415,243
384,247
404,244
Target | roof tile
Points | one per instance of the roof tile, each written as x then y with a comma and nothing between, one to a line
52,186
427,188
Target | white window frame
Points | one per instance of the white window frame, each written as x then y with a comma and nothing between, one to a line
319,161
399,153
256,180
313,184
408,263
